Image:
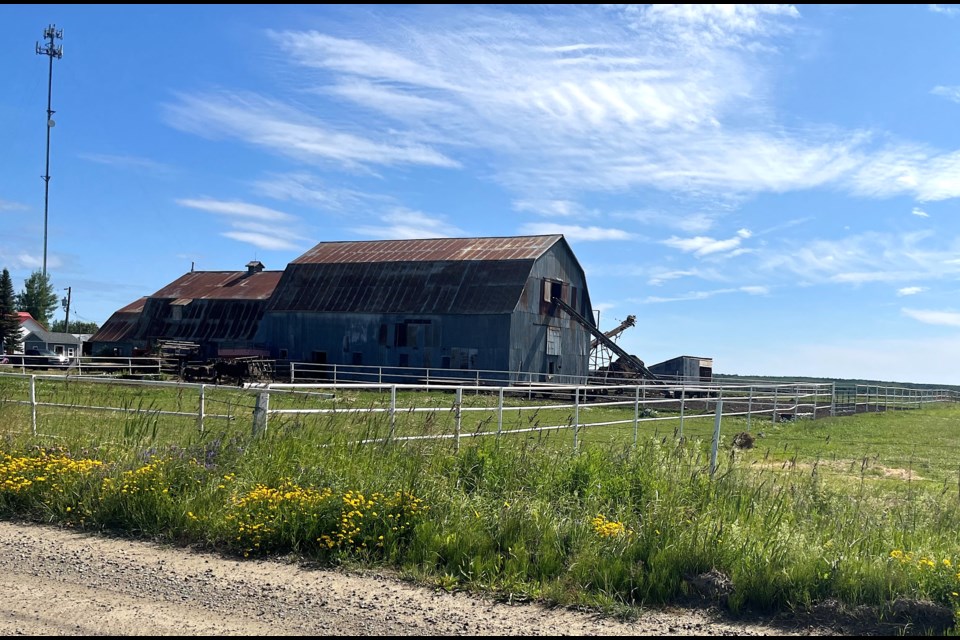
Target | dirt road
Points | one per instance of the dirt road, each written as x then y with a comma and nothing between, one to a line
57,582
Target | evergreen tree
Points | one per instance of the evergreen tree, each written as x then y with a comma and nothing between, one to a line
9,322
38,298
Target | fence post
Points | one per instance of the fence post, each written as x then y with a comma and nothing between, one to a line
816,391
457,413
776,390
33,404
683,402
749,408
334,375
636,415
260,413
393,410
200,414
293,371
500,415
796,402
833,399
130,365
715,445
576,420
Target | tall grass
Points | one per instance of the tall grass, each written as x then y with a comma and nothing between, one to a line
615,525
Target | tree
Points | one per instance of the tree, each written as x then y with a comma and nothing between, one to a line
38,298
9,322
76,326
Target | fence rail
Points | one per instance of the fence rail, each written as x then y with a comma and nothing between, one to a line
563,407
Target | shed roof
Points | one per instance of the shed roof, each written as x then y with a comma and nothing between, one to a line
432,276
221,285
429,250
119,325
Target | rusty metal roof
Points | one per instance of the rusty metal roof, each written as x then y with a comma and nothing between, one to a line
222,285
403,287
121,324
429,250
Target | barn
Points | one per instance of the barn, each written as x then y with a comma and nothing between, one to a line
458,304
218,310
114,337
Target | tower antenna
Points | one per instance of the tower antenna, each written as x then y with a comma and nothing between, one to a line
50,34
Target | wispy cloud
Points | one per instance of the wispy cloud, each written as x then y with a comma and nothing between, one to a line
264,236
575,232
910,291
926,316
754,290
310,190
703,246
254,224
917,211
406,224
948,92
867,257
129,162
949,10
688,223
235,208
553,208
7,205
284,130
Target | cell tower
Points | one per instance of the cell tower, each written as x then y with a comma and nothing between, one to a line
50,34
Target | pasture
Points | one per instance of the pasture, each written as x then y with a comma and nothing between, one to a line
568,500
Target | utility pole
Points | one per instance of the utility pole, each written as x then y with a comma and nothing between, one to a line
66,303
53,51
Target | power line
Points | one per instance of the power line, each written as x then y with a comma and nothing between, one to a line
52,51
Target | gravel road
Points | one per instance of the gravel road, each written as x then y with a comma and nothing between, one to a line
58,582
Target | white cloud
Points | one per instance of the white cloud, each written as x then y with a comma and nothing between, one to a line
567,99
310,190
574,232
7,205
406,224
703,246
950,93
945,318
260,226
281,129
756,290
689,223
703,295
948,10
917,211
129,162
910,291
659,278
235,208
553,208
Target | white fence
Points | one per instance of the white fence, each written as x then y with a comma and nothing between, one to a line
566,407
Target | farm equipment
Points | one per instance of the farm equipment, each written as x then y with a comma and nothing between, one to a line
627,364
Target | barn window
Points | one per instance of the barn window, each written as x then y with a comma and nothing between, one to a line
553,341
357,357
550,289
400,335
383,334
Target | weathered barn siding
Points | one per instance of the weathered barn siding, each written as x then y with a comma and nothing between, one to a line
533,350
460,303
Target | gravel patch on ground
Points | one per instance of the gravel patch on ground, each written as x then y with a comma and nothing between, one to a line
60,582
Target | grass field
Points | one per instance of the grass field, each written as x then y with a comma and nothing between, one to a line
862,509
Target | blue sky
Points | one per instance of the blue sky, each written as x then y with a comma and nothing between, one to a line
772,186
